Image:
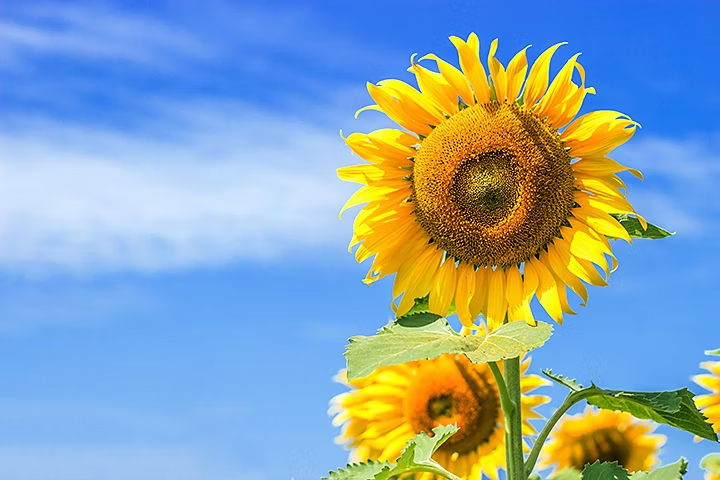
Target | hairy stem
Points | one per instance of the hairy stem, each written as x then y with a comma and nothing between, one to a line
570,400
513,421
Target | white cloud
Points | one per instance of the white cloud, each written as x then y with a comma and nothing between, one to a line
221,184
99,462
89,31
681,176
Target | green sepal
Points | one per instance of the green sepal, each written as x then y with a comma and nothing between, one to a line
422,304
711,463
712,352
418,337
632,225
358,471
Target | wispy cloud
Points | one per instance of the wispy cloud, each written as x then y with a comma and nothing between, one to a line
681,178
89,31
107,462
229,185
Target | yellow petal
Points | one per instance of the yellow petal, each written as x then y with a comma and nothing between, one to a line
539,76
561,271
497,73
473,69
443,289
597,133
514,293
434,86
454,77
530,286
478,302
395,111
601,222
496,302
464,292
516,71
547,290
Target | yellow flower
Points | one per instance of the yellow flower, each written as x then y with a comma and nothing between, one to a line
388,407
490,195
709,404
604,435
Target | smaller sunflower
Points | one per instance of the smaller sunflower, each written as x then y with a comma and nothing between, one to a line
384,410
709,404
604,435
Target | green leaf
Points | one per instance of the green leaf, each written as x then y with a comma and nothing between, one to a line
411,338
674,471
416,455
712,352
570,383
358,471
604,471
711,463
509,341
675,408
567,474
635,230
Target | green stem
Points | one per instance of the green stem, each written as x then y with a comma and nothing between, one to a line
570,400
505,403
513,422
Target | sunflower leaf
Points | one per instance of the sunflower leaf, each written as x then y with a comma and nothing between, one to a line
570,383
675,408
413,337
712,352
674,471
604,471
635,230
416,457
358,471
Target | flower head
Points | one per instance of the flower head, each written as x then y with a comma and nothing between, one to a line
604,435
709,403
491,194
387,408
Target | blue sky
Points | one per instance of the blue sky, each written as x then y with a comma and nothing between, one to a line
175,289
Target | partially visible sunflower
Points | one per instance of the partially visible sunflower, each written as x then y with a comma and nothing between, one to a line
604,435
711,464
709,403
388,407
492,194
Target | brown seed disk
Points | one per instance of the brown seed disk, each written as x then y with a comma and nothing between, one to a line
452,390
606,445
492,185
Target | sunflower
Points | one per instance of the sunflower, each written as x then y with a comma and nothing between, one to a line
491,194
709,404
604,435
388,407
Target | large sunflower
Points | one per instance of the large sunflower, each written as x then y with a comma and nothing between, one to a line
482,199
710,403
604,435
388,407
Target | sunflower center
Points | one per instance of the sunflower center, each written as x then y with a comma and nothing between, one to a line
606,445
452,390
492,185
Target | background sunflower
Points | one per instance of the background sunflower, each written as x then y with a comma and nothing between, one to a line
710,402
387,408
604,435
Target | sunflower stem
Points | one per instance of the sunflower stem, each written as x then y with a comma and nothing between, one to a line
570,400
513,422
